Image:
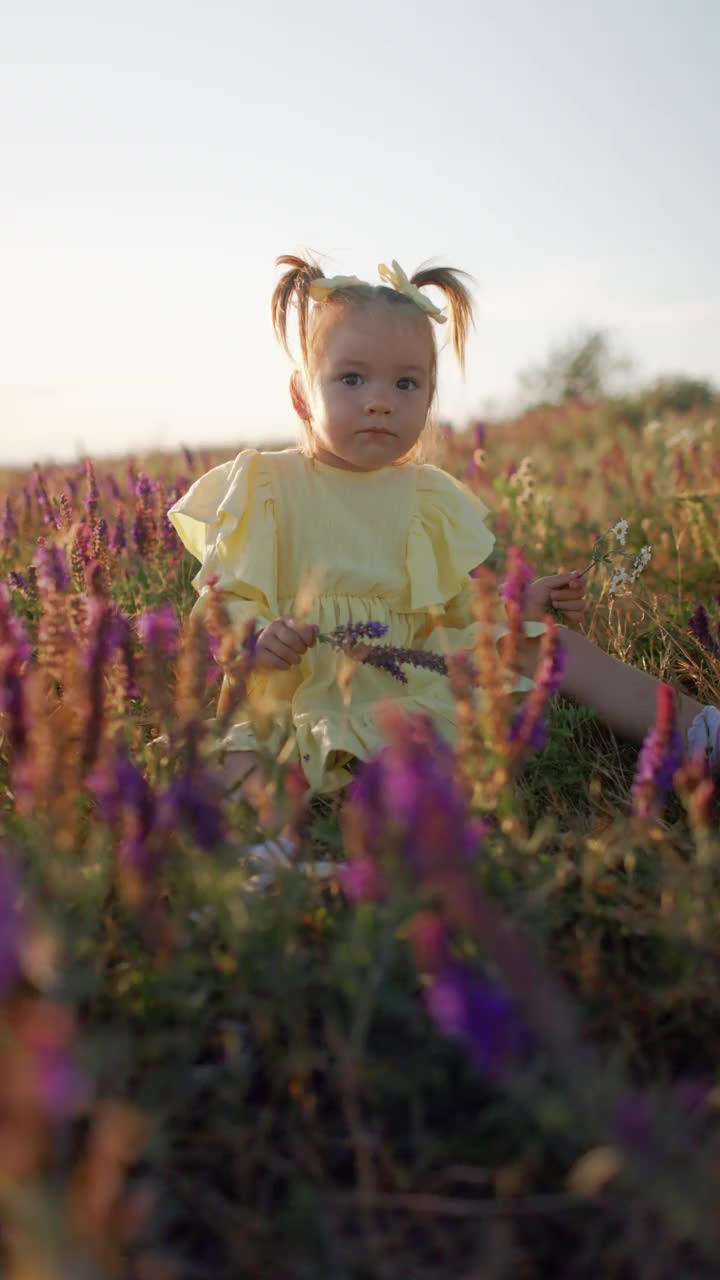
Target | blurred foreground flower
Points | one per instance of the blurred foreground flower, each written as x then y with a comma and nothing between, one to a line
15,653
12,928
660,757
406,806
468,1007
406,817
406,827
528,728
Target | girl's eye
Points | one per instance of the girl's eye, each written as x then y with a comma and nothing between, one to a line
403,383
350,379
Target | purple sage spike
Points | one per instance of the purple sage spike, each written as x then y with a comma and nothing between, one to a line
53,571
528,728
475,1011
660,757
699,624
11,927
118,540
159,629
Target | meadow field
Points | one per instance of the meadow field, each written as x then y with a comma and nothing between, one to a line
481,1042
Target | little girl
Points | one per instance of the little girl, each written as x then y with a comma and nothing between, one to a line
352,526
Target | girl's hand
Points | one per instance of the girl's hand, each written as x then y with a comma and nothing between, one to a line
566,591
283,642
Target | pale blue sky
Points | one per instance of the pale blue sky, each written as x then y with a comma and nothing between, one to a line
157,155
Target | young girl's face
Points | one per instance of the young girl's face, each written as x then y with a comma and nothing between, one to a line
370,386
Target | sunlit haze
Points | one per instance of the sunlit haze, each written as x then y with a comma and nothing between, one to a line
157,158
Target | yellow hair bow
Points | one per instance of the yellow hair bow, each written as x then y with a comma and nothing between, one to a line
323,285
397,279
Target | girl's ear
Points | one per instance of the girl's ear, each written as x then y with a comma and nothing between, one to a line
297,397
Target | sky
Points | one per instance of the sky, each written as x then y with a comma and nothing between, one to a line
158,155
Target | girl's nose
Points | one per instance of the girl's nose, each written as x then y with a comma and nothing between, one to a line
378,404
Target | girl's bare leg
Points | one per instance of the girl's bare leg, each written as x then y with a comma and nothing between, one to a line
624,697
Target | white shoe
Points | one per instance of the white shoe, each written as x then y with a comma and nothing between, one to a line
272,855
267,857
704,737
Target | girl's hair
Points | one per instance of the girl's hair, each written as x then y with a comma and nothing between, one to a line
293,289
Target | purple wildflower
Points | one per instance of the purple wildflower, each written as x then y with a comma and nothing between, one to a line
188,456
63,1086
9,524
168,536
101,539
479,434
513,588
93,493
15,652
124,645
118,540
660,757
122,791
471,1009
350,633
159,629
12,633
82,542
350,637
11,927
700,627
407,801
112,486
633,1122
53,571
392,658
103,637
140,533
43,499
361,881
45,1029
194,800
528,728
143,488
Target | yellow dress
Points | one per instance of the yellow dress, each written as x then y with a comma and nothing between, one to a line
285,534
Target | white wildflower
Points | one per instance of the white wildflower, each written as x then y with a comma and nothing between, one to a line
620,530
524,482
652,428
620,578
641,561
686,436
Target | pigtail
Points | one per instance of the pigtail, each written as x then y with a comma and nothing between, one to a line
459,299
294,285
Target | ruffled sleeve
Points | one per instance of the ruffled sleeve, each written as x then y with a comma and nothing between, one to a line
227,521
448,537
